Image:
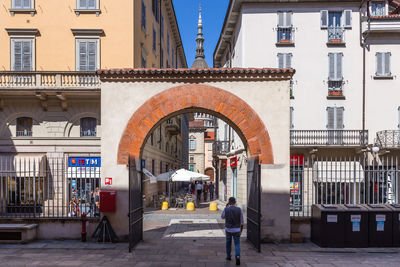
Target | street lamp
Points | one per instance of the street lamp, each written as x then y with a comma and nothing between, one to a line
375,149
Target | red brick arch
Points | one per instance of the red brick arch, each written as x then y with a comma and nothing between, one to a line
176,100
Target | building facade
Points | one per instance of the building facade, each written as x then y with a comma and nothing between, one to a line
50,115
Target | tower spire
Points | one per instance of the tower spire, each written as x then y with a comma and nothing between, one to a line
199,58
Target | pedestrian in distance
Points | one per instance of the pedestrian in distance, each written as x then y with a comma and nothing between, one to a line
211,189
205,191
199,189
233,228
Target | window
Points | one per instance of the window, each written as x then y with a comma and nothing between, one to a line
87,54
335,118
87,4
383,64
143,16
151,139
167,168
291,118
284,60
155,8
22,54
161,58
22,4
24,126
173,57
168,44
162,27
161,167
191,159
336,22
335,77
192,144
191,168
378,8
152,166
154,40
285,27
88,127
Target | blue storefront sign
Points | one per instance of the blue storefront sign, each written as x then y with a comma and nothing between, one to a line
84,162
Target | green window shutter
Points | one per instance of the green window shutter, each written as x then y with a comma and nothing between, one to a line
83,63
27,55
17,55
92,55
324,19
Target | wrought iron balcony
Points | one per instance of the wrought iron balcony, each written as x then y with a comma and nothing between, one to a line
285,36
220,147
388,139
335,35
328,138
23,133
48,80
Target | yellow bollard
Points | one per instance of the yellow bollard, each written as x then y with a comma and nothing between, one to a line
190,206
213,206
164,205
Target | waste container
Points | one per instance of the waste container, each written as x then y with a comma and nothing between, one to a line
395,224
380,225
355,226
327,225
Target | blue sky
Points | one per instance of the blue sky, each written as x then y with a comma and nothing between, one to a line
213,13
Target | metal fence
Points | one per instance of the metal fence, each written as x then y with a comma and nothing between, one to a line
47,188
342,180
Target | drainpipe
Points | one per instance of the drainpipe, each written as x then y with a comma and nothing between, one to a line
159,26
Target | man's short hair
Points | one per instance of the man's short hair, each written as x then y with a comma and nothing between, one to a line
232,200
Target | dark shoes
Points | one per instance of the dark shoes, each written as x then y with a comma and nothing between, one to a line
228,258
237,261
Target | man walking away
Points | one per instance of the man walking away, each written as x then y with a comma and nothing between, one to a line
199,188
211,189
205,191
233,228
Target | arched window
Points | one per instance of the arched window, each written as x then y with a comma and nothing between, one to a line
24,126
88,126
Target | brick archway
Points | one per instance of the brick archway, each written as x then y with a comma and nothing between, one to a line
176,100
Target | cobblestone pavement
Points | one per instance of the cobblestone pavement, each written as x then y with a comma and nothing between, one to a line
184,244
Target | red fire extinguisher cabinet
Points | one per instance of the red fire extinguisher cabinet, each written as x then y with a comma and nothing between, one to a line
108,201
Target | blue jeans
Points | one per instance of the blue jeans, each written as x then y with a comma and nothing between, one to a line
236,240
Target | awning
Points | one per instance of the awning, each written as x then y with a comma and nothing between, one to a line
23,165
338,172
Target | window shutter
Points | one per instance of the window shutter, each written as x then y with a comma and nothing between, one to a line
17,55
27,55
92,4
330,118
289,19
92,52
339,118
82,4
339,66
331,66
281,59
83,64
18,3
324,19
280,19
288,63
291,118
387,64
379,64
347,19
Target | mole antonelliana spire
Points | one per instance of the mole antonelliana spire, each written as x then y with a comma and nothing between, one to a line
200,62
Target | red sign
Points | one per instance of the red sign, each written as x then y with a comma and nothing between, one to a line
233,161
108,181
296,160
224,163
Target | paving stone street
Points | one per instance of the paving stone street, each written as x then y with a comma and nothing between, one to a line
181,240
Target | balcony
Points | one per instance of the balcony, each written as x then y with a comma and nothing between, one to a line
388,139
24,133
220,147
13,80
335,36
335,89
329,138
172,127
381,24
285,37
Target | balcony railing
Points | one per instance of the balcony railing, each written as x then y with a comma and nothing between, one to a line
220,147
388,139
88,133
285,36
23,133
335,35
328,138
46,79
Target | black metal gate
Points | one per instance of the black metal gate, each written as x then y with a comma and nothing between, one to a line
254,203
135,204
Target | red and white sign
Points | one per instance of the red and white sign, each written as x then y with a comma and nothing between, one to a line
296,160
233,161
224,163
108,181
